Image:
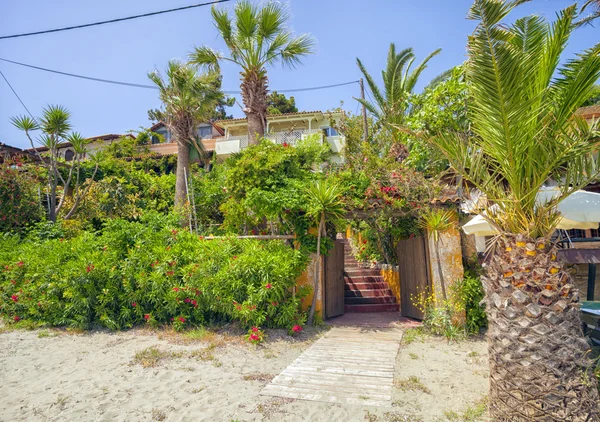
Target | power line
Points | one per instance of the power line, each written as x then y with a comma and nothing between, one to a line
134,85
68,28
16,95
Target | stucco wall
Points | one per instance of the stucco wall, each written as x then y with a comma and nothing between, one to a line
307,278
451,260
392,278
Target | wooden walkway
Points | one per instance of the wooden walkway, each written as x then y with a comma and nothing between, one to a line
348,365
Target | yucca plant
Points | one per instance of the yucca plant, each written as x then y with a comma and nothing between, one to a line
435,222
323,203
55,126
524,135
256,38
390,104
188,99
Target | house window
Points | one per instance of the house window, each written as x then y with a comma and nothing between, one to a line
329,131
205,132
69,155
165,136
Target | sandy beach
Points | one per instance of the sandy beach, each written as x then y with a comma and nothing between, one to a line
139,375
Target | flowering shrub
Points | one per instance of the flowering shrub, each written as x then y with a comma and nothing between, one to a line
296,329
19,201
148,272
255,335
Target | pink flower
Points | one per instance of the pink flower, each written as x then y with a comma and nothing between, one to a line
268,286
255,329
147,317
187,300
133,304
181,319
175,289
20,264
254,337
234,257
15,298
17,318
296,328
194,303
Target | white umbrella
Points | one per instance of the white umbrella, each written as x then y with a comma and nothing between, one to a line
580,210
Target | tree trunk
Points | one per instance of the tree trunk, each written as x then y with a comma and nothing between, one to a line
440,270
539,365
254,96
183,165
317,276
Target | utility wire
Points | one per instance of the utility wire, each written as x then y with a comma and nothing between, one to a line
68,28
109,81
16,95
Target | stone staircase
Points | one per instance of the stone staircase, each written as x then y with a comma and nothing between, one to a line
365,288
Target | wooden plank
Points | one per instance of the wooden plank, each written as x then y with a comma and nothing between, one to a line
304,380
328,392
334,280
328,399
353,379
365,372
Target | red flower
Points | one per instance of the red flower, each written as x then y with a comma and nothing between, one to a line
297,328
187,300
254,232
194,303
89,268
181,319
13,282
274,303
17,318
234,256
268,286
175,289
254,337
147,317
255,329
198,292
174,232
170,272
40,304
133,304
20,264
15,298
201,237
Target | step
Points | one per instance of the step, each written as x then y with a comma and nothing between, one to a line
368,293
369,300
381,307
364,279
351,272
366,286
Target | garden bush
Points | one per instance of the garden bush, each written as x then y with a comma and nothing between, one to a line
19,200
148,271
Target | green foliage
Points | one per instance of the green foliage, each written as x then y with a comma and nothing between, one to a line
524,132
19,201
594,98
279,104
133,273
442,107
471,295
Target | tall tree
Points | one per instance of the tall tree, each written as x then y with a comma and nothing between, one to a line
279,104
188,99
256,38
390,104
525,134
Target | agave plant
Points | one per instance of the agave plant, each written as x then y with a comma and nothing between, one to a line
256,38
524,135
188,99
390,105
323,203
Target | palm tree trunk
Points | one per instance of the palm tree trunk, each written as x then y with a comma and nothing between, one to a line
440,270
317,276
183,165
254,96
539,365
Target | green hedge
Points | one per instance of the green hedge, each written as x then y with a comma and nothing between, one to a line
147,272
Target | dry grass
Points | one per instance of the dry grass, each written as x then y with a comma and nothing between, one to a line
412,383
258,377
474,413
152,356
158,415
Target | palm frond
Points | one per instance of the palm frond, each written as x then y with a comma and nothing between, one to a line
207,58
55,120
297,48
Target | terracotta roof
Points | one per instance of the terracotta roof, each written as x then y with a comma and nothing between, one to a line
589,112
299,113
107,137
158,125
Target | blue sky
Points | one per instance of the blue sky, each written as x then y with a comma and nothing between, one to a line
126,51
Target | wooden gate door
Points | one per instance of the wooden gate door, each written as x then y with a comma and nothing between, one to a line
413,264
334,281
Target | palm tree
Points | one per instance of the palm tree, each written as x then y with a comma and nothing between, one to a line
55,126
390,104
594,6
323,203
256,38
437,222
188,99
524,135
